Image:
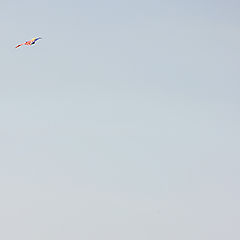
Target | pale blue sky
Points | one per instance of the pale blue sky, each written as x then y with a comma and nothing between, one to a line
122,122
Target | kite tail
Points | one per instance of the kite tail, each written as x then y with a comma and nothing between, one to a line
19,45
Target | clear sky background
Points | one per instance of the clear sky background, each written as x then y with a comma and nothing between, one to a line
123,122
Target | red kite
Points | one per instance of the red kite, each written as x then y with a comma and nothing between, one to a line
29,43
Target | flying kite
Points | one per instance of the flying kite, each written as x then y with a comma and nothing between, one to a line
29,43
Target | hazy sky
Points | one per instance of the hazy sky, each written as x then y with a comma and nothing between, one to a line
123,122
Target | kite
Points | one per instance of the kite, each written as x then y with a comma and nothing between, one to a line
29,43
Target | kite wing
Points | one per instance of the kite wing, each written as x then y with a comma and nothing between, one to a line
34,40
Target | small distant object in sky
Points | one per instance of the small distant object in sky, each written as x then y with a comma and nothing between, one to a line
29,43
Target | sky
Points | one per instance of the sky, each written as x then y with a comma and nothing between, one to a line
122,122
